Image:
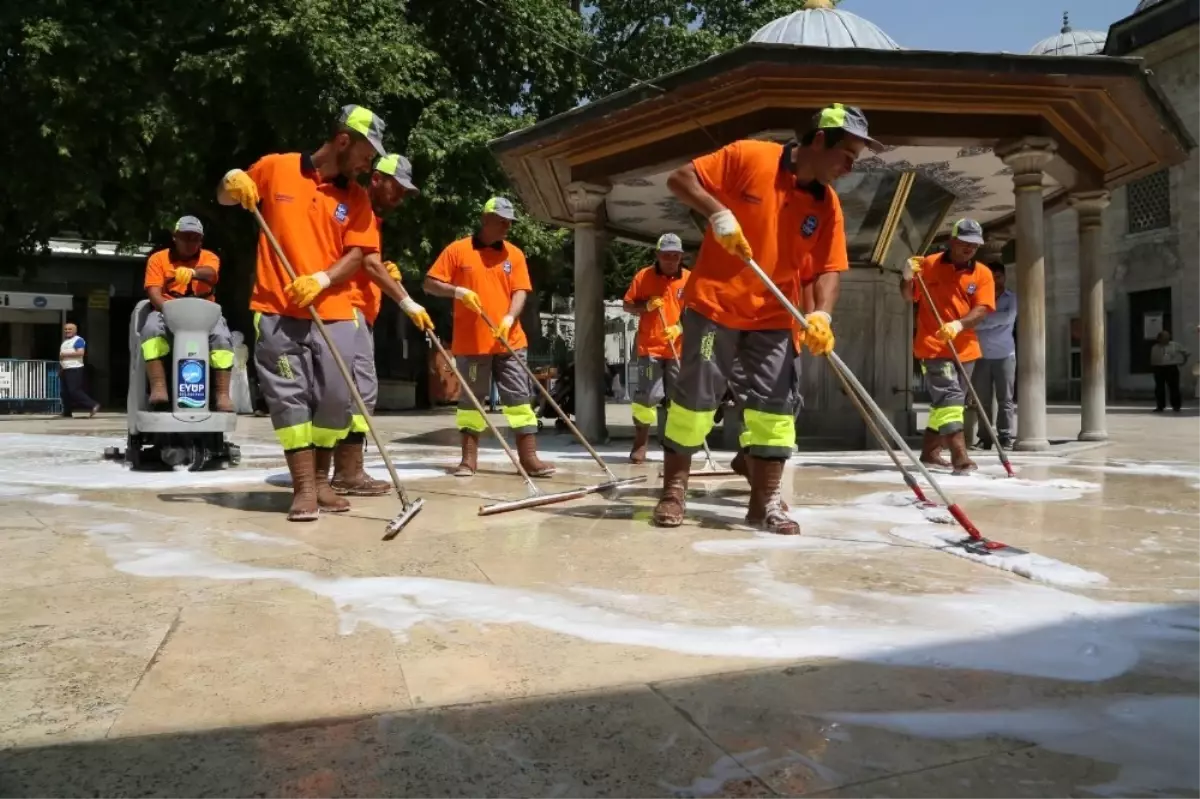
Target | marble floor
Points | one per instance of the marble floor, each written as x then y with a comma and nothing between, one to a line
172,634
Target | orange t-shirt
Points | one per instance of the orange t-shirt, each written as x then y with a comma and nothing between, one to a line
493,273
160,271
315,222
955,292
784,223
650,282
365,293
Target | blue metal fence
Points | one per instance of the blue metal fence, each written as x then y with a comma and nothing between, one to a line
28,386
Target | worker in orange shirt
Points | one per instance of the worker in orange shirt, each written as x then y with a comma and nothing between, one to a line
185,269
963,293
659,286
774,203
391,182
323,221
485,274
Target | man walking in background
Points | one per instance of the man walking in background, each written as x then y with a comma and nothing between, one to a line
70,372
1166,357
995,373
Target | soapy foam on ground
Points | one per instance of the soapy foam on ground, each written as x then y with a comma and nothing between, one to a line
1014,489
1152,739
1063,635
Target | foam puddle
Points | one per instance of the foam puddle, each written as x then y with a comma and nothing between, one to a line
1030,565
1062,635
1152,739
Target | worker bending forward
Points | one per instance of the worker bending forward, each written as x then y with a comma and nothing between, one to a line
185,269
774,203
963,293
322,219
487,275
390,183
656,288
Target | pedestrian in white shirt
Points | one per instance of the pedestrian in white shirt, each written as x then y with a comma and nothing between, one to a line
1166,357
70,372
995,374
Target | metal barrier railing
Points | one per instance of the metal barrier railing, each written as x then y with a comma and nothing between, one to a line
29,386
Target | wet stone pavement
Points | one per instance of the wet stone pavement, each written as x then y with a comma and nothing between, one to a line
171,634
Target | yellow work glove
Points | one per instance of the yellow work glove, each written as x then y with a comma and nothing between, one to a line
912,267
819,336
241,188
392,270
673,332
653,304
183,278
728,234
504,328
419,316
949,331
469,299
306,288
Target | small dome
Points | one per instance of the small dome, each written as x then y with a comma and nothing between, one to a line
818,24
1072,42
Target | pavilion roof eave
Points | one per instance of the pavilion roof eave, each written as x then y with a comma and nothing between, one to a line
1051,68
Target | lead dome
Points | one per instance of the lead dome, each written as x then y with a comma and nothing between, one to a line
818,24
1070,42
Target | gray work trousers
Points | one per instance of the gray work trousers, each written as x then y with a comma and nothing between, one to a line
363,369
655,379
512,384
305,391
994,380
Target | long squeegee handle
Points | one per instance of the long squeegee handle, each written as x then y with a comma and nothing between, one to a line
337,358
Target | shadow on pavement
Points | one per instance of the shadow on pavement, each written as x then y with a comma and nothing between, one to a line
921,720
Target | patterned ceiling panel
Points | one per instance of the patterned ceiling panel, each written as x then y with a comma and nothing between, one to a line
980,182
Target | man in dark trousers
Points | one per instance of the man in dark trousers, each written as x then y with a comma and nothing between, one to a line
70,372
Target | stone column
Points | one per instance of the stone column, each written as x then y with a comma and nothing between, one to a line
587,208
1090,208
1027,158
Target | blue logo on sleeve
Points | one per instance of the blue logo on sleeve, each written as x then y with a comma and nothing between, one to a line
341,213
193,387
810,226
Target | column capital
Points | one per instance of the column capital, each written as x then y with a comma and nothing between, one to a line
586,201
1089,203
1027,156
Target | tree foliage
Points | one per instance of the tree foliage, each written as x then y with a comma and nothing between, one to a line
123,114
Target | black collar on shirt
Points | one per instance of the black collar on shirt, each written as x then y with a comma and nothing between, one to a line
307,165
969,265
658,270
815,188
478,244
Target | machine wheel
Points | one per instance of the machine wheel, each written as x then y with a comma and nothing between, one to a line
133,451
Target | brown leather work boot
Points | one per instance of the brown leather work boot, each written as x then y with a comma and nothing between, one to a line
767,511
302,466
527,452
156,374
470,455
672,501
221,399
327,501
641,440
743,464
958,454
931,450
349,476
